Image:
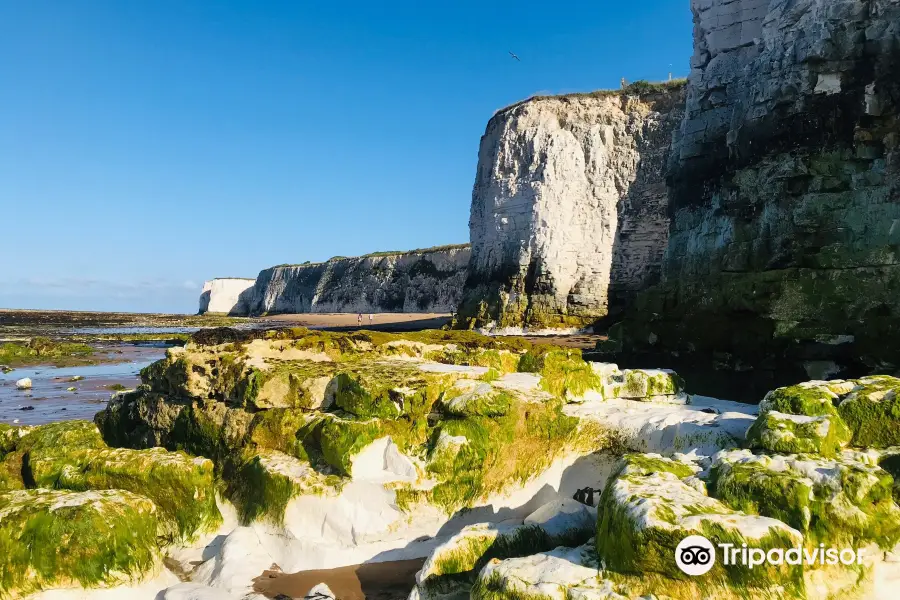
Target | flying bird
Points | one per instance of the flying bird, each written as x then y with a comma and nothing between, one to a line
514,56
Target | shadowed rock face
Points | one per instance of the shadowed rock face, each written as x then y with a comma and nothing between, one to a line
418,281
784,187
569,207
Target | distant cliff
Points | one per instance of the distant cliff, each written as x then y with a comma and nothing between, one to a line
568,213
429,280
226,295
785,188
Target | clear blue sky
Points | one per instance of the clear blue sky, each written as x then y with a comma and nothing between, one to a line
148,145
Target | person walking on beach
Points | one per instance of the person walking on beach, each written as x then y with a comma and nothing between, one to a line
359,320
370,319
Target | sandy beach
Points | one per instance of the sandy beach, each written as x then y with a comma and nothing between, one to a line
374,581
379,322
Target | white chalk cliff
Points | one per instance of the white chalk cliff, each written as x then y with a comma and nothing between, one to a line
569,206
417,281
226,295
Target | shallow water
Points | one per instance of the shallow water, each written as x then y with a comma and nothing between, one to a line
130,329
49,399
154,330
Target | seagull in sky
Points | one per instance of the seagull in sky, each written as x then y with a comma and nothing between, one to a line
514,56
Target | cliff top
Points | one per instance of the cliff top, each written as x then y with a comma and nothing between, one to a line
381,253
638,88
233,278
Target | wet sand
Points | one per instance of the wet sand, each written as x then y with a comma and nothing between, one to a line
380,321
410,322
373,581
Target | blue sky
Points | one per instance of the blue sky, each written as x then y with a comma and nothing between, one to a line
148,145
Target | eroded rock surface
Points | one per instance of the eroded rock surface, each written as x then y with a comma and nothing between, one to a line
784,188
569,207
427,281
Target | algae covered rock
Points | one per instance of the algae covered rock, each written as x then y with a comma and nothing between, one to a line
182,487
890,462
72,455
10,436
61,437
843,500
481,399
415,392
483,455
779,432
560,574
811,399
62,538
648,385
11,461
453,566
869,407
645,513
137,419
872,411
268,481
563,371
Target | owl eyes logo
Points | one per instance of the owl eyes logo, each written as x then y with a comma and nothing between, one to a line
695,555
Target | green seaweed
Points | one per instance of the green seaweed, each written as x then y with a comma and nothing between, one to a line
59,538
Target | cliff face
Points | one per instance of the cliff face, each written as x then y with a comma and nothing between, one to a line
569,207
785,195
416,281
226,295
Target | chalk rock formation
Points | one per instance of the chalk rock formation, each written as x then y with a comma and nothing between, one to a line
76,515
226,295
785,186
569,206
415,281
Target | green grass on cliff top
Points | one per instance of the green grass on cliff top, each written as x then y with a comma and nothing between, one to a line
381,253
638,88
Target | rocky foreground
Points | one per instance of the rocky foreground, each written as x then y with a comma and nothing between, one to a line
518,470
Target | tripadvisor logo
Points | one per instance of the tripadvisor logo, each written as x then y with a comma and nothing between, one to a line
696,555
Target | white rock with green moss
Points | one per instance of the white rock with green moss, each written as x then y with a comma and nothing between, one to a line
149,589
480,399
843,500
182,487
648,385
452,564
93,539
701,428
870,406
780,432
648,508
462,551
560,574
872,411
